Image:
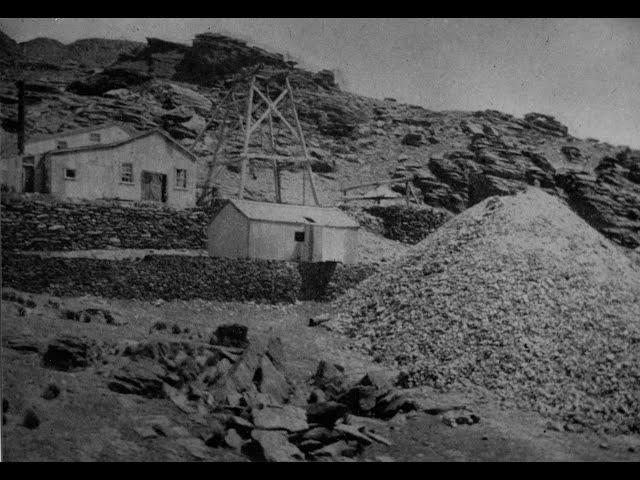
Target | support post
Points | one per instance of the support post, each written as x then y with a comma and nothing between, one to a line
22,117
276,170
247,136
406,192
304,148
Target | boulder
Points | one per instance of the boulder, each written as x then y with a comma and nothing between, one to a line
275,447
68,353
143,377
285,417
231,335
412,139
325,413
546,124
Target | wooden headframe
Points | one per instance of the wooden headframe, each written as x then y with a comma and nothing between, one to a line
258,97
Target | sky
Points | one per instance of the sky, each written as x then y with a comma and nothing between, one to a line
584,72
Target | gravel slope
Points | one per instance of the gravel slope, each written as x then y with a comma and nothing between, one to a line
519,295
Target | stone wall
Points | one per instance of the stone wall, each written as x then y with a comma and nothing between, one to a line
408,224
43,224
173,277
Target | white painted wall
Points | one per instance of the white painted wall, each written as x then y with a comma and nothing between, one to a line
232,235
98,172
228,234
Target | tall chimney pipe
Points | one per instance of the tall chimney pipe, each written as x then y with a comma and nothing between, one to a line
21,117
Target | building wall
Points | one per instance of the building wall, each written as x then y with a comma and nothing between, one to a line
98,172
11,168
108,135
11,173
228,234
333,244
276,241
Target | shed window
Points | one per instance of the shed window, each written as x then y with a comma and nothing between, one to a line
95,137
62,145
70,173
299,236
126,173
181,178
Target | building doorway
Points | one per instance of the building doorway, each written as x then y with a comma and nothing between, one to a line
28,178
154,187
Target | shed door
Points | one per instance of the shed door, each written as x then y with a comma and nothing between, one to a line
154,187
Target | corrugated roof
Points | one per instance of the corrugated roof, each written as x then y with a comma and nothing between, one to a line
301,214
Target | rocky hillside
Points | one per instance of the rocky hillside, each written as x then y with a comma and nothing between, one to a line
90,52
456,159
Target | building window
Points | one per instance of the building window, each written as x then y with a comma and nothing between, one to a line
299,236
94,137
181,178
126,175
62,145
70,173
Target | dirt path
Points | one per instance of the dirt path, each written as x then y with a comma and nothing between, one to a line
89,422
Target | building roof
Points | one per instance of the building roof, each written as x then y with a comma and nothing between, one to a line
107,146
9,141
299,214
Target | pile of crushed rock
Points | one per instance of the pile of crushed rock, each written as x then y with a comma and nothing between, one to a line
518,295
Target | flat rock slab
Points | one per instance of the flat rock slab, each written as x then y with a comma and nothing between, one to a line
286,417
275,446
195,447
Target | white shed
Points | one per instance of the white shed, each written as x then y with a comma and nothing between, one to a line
277,231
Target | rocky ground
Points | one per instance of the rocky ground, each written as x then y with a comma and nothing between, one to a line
513,323
518,295
89,379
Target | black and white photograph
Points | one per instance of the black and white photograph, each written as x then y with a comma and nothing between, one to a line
320,239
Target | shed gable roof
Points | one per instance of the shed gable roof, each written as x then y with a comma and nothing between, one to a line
298,214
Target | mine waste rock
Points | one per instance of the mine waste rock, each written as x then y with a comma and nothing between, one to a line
518,295
238,390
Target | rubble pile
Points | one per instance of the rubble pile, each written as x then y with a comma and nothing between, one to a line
518,295
172,277
238,394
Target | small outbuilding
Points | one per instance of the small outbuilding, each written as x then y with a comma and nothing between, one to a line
277,231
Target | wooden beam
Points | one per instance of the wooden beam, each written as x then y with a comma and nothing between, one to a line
277,112
247,135
381,197
406,192
267,112
376,184
304,144
274,162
